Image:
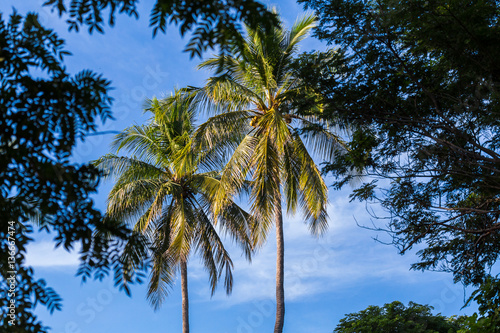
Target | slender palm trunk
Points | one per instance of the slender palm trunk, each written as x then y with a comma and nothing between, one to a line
280,269
185,301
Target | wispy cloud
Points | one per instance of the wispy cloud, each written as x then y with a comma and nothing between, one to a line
43,254
345,256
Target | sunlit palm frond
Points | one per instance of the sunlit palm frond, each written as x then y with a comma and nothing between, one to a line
266,191
141,141
219,136
231,64
114,165
162,278
322,141
224,93
185,162
298,32
183,226
215,258
273,125
175,114
131,200
234,175
313,194
232,219
139,201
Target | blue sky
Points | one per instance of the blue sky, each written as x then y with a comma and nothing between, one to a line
342,272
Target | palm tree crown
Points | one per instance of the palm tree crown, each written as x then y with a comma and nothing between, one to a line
164,189
251,98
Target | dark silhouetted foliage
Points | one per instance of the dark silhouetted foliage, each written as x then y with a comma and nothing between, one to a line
395,317
42,118
487,297
212,23
418,81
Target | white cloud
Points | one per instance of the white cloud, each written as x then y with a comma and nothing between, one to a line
344,257
43,254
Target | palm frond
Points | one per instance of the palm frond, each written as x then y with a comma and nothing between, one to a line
232,219
142,141
298,32
291,178
114,165
162,278
238,224
224,93
163,272
183,226
234,175
185,162
215,258
266,192
313,194
140,201
219,136
323,142
273,125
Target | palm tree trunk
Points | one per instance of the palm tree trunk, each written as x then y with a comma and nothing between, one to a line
280,269
185,301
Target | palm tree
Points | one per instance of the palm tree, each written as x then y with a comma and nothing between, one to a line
251,98
164,191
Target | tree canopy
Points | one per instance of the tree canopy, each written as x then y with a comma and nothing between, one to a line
41,120
418,81
213,23
487,319
396,317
